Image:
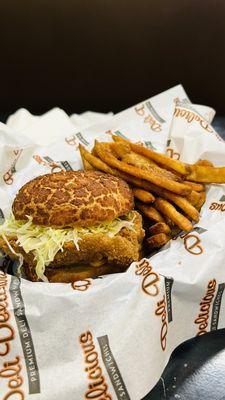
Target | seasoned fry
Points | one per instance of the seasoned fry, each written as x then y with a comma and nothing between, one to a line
159,227
201,200
180,201
157,241
184,205
161,159
98,164
138,160
150,212
95,162
121,149
158,180
193,197
142,162
168,209
198,187
143,195
86,164
206,174
205,163
191,200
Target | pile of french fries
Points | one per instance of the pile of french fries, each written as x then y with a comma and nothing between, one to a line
168,192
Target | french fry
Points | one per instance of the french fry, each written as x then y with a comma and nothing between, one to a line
164,207
124,152
138,160
198,187
180,201
158,180
159,227
95,162
86,164
147,186
142,162
121,149
201,200
205,174
205,163
156,241
98,164
143,195
193,197
184,205
161,159
150,212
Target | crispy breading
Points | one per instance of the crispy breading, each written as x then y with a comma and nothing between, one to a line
119,251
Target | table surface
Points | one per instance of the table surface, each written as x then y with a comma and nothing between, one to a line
196,370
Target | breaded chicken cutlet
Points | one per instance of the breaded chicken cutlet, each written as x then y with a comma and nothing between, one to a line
73,225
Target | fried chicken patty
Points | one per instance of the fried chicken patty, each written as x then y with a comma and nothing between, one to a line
96,249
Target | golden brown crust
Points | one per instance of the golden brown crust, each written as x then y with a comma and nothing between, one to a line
73,198
72,273
116,252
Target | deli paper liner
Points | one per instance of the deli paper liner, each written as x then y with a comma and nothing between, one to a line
110,337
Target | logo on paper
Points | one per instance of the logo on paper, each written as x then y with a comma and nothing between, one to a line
97,386
11,372
172,153
117,133
25,336
168,290
150,279
216,307
191,115
55,166
82,285
192,243
218,206
202,319
150,286
149,116
113,369
74,140
162,313
8,175
200,230
154,112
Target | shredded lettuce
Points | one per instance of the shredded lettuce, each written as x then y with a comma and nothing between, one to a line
45,242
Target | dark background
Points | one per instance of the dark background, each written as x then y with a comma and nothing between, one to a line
107,55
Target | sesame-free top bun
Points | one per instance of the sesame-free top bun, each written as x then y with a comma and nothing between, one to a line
73,198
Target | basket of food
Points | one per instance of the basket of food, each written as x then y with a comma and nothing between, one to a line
112,249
